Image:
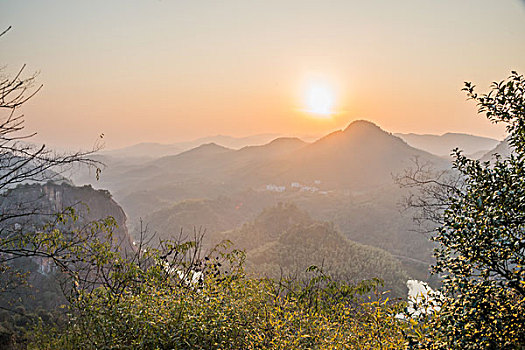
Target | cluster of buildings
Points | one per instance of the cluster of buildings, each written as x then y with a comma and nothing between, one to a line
296,186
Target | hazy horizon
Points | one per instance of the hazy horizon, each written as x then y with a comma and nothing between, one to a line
273,136
166,72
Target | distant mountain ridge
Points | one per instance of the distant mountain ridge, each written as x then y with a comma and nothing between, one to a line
442,145
359,157
156,150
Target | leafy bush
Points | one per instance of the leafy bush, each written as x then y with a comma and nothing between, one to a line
170,298
481,253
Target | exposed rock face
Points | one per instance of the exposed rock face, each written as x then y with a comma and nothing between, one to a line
41,201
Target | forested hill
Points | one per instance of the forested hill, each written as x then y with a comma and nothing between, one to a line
285,239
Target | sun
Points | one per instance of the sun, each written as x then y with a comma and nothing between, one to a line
319,100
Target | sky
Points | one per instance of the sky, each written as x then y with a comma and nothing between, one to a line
167,71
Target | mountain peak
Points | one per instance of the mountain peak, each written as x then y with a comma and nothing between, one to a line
362,125
211,146
286,140
206,148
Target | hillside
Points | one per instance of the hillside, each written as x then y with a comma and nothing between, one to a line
503,149
373,218
361,157
28,208
266,227
285,239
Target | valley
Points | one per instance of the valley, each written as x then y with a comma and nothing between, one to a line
344,179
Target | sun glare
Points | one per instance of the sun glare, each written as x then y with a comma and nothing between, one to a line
320,101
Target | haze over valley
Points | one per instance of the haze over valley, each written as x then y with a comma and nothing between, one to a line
346,178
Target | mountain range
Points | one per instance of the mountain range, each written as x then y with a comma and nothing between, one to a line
345,178
360,157
151,150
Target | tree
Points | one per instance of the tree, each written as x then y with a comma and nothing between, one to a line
21,161
481,234
22,232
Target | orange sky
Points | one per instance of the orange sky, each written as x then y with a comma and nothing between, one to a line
166,71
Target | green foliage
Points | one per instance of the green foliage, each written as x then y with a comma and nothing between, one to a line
28,294
482,242
154,301
170,297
